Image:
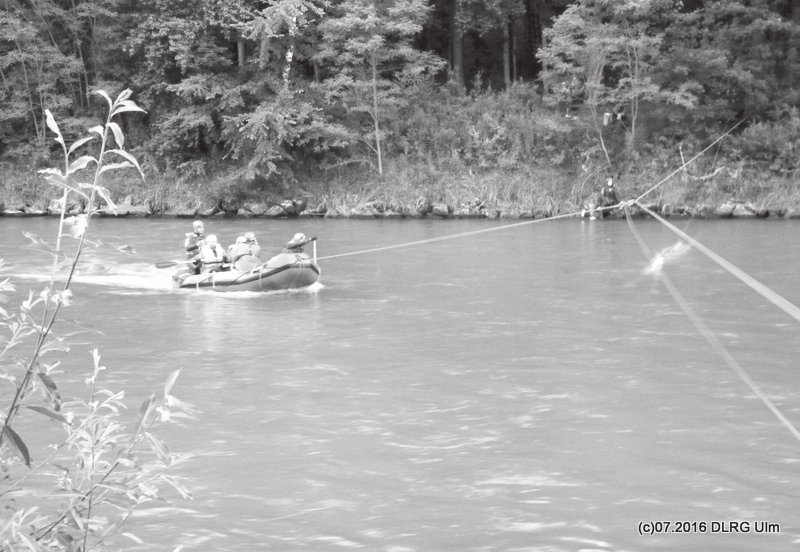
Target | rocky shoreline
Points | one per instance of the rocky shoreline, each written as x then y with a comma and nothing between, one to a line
423,208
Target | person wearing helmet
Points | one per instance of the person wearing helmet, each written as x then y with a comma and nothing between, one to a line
247,254
295,245
233,249
211,256
608,198
194,239
252,245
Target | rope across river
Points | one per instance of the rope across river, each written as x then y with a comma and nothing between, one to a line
527,222
776,299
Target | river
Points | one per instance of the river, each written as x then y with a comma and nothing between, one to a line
534,388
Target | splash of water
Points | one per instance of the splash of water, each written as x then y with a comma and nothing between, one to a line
668,254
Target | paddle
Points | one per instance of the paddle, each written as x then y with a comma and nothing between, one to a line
167,264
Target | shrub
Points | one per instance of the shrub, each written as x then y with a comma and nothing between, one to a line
98,471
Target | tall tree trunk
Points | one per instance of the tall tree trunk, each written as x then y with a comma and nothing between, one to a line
507,54
514,68
374,62
533,38
289,53
34,114
240,54
456,44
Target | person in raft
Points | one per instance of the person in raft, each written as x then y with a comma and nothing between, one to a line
232,249
194,239
295,245
245,254
210,257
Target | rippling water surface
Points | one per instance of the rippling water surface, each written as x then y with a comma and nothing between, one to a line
534,388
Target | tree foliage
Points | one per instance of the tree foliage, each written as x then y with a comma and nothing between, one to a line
367,46
257,94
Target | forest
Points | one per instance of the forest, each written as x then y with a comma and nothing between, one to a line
377,103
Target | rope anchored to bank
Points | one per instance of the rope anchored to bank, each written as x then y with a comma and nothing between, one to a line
773,297
770,295
703,329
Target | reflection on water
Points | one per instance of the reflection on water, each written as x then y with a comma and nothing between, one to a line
527,389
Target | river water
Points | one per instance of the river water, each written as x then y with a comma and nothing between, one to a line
529,389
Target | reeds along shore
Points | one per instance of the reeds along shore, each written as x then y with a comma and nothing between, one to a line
414,192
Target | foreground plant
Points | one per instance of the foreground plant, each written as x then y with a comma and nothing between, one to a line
97,472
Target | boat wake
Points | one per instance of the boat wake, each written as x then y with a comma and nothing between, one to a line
141,277
312,289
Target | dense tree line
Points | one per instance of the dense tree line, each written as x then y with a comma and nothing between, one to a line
265,92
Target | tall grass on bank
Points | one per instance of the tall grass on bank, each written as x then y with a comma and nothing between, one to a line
77,494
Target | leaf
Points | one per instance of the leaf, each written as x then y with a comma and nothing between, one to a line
112,166
60,182
158,447
79,143
184,492
51,388
64,538
144,412
80,163
123,96
17,444
75,519
51,123
129,157
118,135
50,414
171,381
134,538
52,171
39,242
77,225
107,197
127,105
105,95
97,130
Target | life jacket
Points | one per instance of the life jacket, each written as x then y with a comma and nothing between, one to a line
212,254
192,242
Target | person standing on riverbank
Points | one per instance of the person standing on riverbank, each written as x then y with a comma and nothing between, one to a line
194,239
608,198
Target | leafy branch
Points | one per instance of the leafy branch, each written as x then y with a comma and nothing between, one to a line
111,471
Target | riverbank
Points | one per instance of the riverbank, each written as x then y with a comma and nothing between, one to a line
439,210
415,191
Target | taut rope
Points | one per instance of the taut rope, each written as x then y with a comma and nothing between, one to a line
703,329
449,236
771,296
